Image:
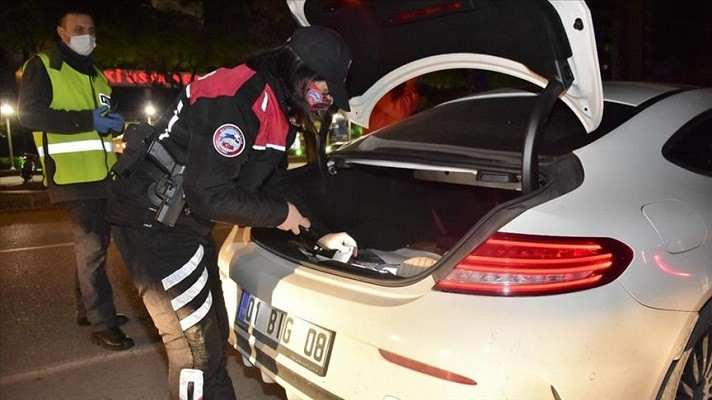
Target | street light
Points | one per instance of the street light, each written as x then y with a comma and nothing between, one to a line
7,111
150,111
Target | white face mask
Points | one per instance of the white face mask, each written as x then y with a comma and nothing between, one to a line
82,44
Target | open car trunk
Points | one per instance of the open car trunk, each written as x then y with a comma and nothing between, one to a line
404,220
434,185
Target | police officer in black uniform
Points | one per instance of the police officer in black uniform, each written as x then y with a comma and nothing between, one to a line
206,161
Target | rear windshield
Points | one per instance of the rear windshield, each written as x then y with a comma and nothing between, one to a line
497,124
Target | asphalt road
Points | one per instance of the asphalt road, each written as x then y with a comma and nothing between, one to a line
44,354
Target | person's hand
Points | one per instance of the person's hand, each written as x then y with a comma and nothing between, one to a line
107,123
340,242
294,220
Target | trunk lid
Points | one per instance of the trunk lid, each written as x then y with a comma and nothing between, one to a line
393,41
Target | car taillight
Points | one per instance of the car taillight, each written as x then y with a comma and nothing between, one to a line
527,265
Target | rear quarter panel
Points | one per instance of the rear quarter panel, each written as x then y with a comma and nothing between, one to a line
624,172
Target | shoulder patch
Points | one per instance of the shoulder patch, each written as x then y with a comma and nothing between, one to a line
228,140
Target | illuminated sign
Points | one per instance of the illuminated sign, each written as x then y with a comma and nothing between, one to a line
138,78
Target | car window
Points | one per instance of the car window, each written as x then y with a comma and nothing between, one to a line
691,146
497,124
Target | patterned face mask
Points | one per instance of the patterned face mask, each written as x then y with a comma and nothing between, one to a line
317,100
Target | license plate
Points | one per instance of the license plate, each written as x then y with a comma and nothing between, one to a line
307,344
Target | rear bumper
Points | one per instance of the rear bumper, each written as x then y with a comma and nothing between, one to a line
598,343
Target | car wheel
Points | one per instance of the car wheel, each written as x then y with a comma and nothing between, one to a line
690,377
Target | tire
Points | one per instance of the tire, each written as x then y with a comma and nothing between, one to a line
690,377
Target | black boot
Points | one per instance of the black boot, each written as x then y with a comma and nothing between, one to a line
121,319
112,339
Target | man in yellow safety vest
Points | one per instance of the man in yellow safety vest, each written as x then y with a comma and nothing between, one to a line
65,99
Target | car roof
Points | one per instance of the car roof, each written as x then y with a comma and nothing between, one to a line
637,93
634,94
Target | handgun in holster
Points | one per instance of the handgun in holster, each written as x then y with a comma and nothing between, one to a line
166,193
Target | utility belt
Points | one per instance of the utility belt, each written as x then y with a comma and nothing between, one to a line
145,153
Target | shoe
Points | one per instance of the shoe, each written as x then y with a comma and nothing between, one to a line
121,319
112,339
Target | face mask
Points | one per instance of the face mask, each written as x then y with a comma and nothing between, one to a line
317,101
82,44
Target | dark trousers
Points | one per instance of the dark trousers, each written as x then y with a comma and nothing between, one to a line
177,277
91,232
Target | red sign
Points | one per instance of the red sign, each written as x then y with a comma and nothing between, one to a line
133,77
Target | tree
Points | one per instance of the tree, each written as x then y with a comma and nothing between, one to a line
132,34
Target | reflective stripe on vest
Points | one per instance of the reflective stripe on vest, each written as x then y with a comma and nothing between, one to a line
83,156
72,147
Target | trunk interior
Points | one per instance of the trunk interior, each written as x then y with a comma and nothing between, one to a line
403,219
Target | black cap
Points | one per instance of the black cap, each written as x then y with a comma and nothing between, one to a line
324,51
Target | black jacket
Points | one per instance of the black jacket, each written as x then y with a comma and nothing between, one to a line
231,132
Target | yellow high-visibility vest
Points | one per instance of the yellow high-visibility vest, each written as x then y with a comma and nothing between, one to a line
78,157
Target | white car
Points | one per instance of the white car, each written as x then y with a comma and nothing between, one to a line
511,245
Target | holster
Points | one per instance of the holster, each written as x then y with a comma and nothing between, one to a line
167,192
146,153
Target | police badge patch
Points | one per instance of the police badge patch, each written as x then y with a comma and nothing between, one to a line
228,140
